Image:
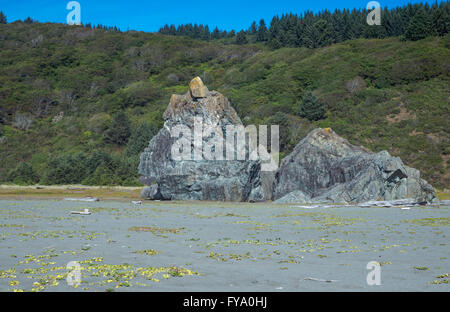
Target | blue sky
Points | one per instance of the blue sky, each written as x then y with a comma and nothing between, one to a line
150,15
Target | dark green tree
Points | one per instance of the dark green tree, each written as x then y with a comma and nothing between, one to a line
311,37
28,20
274,43
3,19
23,174
67,169
241,38
119,130
274,33
140,138
231,34
441,21
215,34
310,108
205,34
374,31
103,175
419,27
252,30
262,34
325,32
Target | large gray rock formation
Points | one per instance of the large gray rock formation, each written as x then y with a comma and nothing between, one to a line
326,168
223,180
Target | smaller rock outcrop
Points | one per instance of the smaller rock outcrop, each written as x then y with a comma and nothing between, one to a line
324,167
197,88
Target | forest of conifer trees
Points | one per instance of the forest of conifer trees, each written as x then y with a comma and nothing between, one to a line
313,30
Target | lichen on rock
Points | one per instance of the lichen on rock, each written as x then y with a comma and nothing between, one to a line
197,88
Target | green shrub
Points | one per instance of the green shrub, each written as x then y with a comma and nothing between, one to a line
67,169
119,130
241,38
310,108
112,170
23,174
140,138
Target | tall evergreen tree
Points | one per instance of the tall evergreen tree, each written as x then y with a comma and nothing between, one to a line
215,34
252,30
275,33
325,32
3,19
206,34
310,107
28,20
139,138
172,30
231,34
241,38
262,33
311,37
119,131
441,21
419,27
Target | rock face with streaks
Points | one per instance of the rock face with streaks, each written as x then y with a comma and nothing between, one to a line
326,168
198,179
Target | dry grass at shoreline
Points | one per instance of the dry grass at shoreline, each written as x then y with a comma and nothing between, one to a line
443,194
62,191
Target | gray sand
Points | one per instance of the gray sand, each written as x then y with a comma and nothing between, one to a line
221,247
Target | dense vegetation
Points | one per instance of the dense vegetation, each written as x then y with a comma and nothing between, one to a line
78,104
312,30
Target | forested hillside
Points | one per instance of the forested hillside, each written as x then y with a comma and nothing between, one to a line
78,104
